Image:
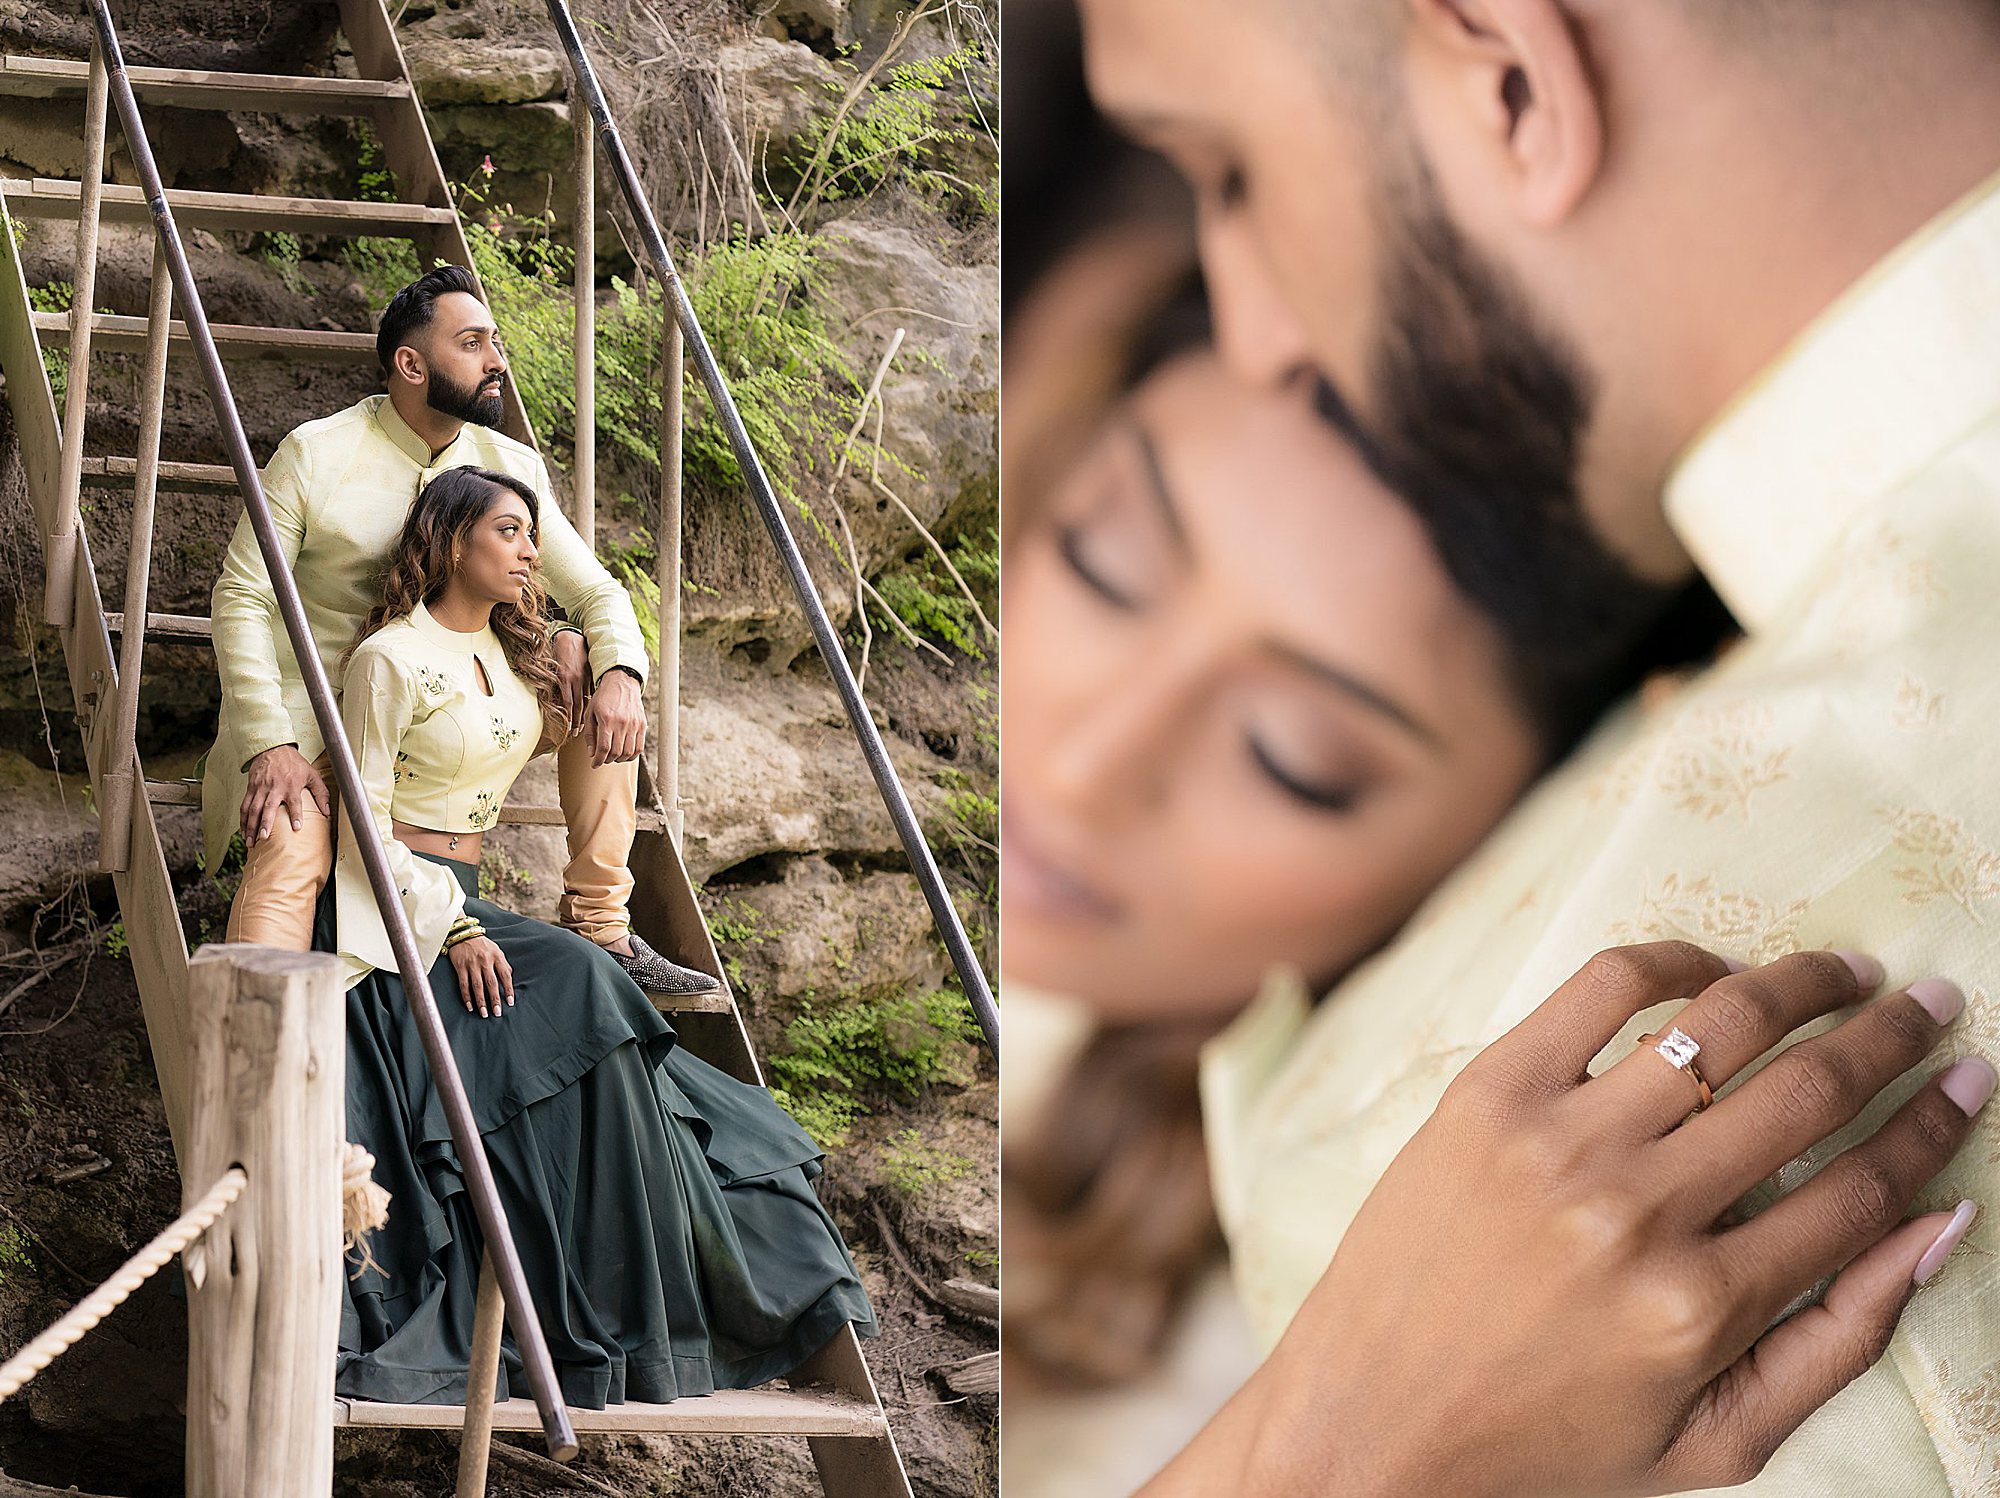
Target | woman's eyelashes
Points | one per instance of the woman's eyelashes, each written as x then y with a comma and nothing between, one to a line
1341,794
1072,543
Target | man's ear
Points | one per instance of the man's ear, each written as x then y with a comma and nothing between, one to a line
408,364
1527,87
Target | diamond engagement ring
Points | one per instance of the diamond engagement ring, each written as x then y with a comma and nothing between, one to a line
1680,1049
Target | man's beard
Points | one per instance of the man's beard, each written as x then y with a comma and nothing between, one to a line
464,402
1479,426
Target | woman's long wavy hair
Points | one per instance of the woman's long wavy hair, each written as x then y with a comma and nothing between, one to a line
438,525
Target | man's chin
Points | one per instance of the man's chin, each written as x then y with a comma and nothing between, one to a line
489,411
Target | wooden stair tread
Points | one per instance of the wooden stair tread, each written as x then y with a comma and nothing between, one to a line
101,473
191,88
176,627
55,197
727,1412
114,333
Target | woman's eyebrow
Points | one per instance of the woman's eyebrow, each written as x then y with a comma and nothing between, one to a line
1361,692
1156,485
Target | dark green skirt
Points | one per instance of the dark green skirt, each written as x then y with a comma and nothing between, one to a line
663,1210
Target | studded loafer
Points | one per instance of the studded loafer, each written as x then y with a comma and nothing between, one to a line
656,974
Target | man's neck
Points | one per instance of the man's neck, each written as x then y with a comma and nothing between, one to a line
1784,235
437,430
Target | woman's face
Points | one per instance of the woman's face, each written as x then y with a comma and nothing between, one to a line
1248,719
496,557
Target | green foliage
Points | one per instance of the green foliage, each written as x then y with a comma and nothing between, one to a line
903,131
793,387
283,252
57,296
376,184
527,276
115,942
736,923
926,598
14,1257
635,563
497,870
891,1048
382,266
913,1167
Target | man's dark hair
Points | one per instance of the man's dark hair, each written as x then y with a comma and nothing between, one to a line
415,305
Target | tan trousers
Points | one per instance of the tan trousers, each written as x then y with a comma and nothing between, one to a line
283,875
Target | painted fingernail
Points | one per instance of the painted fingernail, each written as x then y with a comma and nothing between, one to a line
1953,1235
1940,997
1867,971
1734,966
1969,1083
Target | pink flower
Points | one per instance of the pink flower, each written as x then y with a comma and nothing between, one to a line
486,166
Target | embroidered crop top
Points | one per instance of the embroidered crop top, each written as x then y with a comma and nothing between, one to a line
436,749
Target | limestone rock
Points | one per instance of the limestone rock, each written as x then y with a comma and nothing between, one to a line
816,930
942,395
776,91
776,751
453,68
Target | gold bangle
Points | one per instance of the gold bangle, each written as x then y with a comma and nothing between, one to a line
465,935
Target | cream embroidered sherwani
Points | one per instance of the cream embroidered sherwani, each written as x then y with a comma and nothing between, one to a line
339,490
1834,781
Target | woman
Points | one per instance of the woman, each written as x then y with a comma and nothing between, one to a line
662,1209
1250,722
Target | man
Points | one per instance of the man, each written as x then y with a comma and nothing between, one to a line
339,489
1611,290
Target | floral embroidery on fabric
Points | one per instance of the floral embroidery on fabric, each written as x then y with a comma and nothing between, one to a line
485,812
1697,910
1720,759
402,772
432,682
1972,1410
1950,864
504,733
1917,706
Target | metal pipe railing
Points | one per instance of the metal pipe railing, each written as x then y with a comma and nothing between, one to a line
584,283
60,553
943,912
556,1426
121,779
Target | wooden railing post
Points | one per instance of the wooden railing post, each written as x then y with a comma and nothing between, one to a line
59,579
114,813
667,754
268,1029
585,469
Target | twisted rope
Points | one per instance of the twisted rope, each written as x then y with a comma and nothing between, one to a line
133,1273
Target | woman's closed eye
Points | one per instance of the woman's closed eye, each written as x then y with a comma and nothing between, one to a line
1338,793
1097,574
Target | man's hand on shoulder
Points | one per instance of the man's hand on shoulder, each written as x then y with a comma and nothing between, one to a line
616,719
281,781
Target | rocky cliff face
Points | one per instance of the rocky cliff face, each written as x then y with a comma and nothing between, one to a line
726,105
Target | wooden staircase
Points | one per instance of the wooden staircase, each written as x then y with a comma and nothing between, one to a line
832,1401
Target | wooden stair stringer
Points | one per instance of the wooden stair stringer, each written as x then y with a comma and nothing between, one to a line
146,899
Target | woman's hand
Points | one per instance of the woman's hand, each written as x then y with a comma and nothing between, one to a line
1547,1294
484,978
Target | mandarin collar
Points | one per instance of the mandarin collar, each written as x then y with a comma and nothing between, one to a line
1901,366
479,642
408,443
